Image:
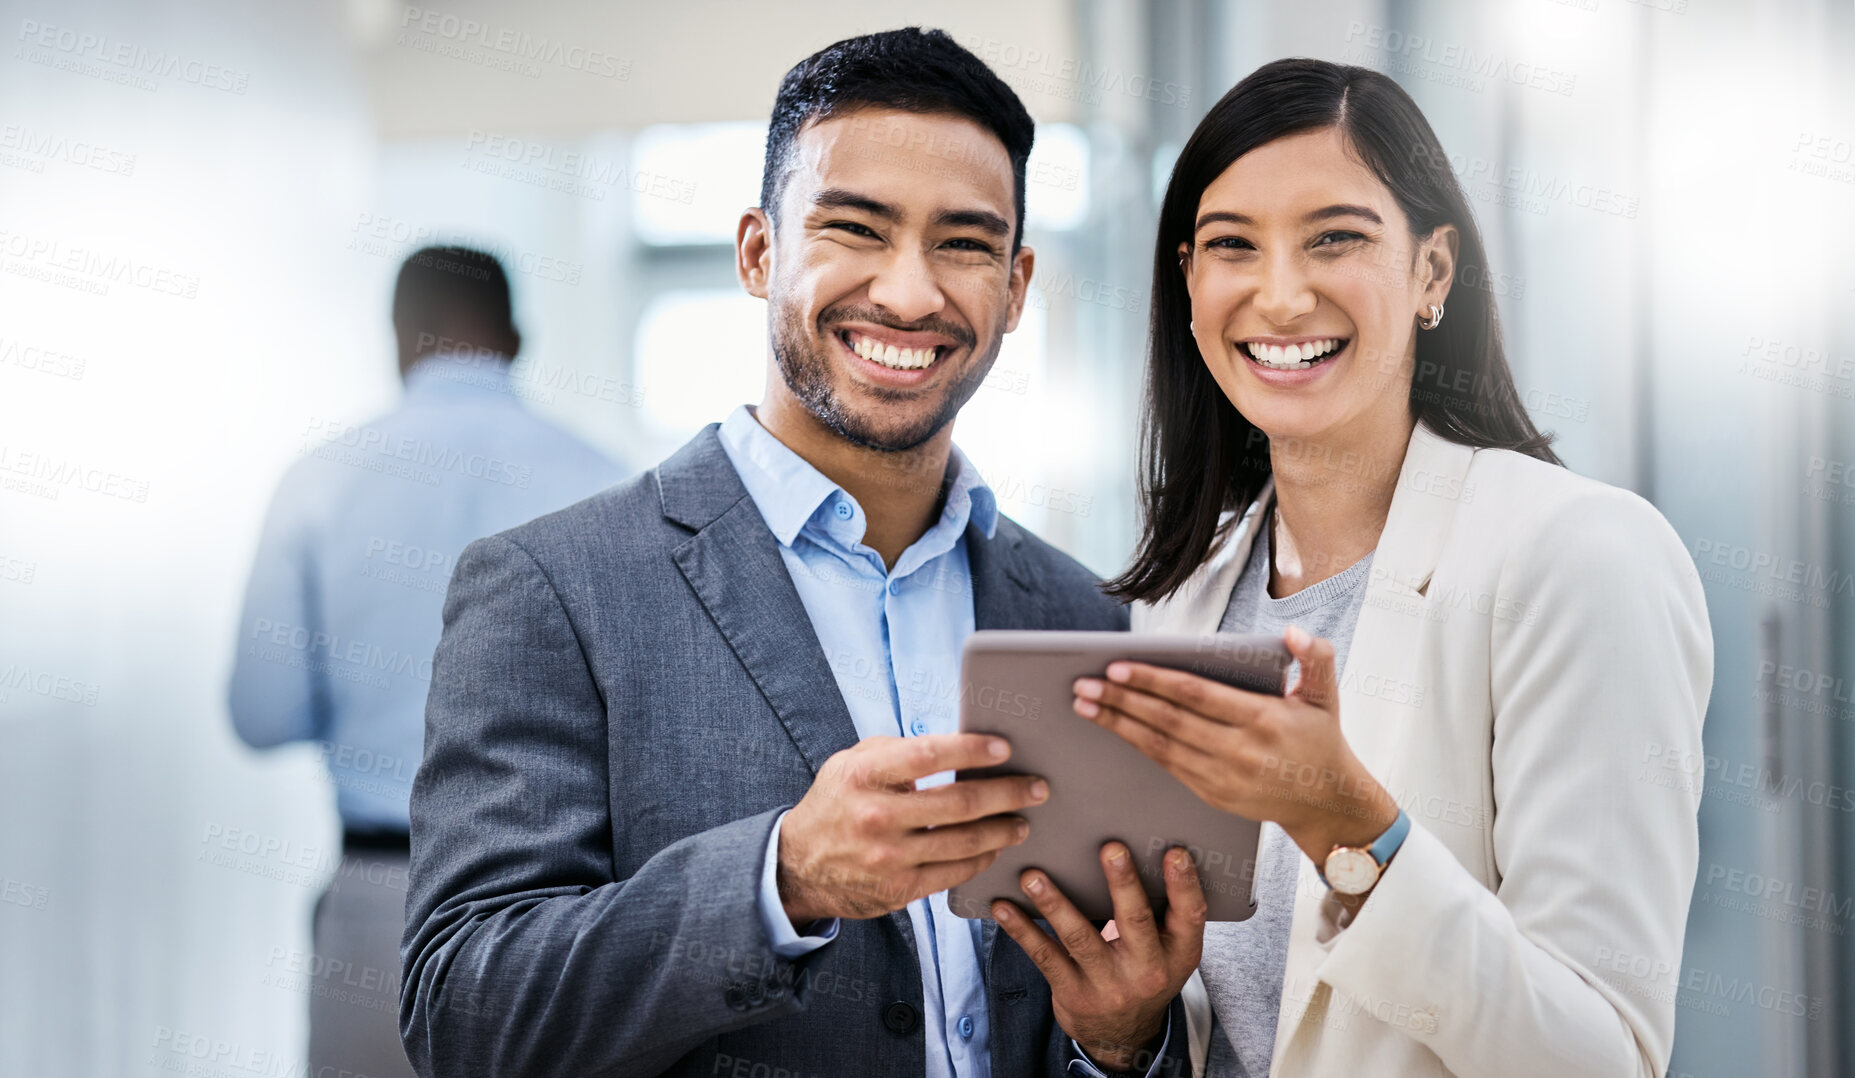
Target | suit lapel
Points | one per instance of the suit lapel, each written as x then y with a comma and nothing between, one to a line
1002,599
1002,594
734,566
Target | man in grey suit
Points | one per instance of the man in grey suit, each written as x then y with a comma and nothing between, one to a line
686,805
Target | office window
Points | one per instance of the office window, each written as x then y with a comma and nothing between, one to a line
1056,179
690,182
698,353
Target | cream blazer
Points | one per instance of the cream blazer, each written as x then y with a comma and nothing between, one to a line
1530,639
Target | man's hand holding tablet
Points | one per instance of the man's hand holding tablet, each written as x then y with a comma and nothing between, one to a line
864,841
1110,987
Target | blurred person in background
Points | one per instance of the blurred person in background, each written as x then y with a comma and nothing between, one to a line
343,608
668,820
1457,839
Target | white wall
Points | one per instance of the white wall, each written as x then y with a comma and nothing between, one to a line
237,201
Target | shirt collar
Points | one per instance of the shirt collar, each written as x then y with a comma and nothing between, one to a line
786,488
790,493
460,372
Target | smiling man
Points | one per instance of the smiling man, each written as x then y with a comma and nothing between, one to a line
686,804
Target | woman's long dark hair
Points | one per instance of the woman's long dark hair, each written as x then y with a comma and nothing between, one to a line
1199,456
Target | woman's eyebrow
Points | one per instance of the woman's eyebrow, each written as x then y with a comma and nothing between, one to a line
1220,217
1345,209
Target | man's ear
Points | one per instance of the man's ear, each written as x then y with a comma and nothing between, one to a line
1022,264
753,251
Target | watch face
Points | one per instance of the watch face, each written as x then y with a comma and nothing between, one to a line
1351,871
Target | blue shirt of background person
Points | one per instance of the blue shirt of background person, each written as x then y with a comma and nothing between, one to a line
343,609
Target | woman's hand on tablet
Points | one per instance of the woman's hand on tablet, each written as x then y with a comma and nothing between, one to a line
1111,995
1277,758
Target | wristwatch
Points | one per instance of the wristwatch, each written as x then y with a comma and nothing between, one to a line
1354,870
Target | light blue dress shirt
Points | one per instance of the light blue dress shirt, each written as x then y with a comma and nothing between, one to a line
344,605
893,640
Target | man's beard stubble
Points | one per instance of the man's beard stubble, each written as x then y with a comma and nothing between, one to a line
808,377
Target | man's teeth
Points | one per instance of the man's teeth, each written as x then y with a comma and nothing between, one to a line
902,359
1292,357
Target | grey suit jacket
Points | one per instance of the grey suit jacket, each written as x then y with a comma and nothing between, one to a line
627,694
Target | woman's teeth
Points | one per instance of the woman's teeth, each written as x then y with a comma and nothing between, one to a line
901,359
1292,357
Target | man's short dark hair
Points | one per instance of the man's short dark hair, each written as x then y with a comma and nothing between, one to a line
913,70
445,291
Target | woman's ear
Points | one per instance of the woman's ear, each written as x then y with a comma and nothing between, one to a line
1436,265
1185,254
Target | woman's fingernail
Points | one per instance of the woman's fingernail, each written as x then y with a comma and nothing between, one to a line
1034,885
1088,688
1117,856
1088,709
1118,671
1001,912
1040,791
999,749
1297,636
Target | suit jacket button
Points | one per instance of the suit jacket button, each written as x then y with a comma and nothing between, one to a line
901,1018
736,998
756,993
775,988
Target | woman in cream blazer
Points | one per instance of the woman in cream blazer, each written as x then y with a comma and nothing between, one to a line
1528,638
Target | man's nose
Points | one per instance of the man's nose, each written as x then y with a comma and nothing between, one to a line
905,287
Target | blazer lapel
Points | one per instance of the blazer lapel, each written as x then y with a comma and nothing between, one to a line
734,566
1431,483
1198,606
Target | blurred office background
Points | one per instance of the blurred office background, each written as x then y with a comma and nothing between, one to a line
203,204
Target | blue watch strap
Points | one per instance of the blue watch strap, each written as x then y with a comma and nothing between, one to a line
1393,837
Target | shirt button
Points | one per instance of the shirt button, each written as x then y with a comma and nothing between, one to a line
966,1027
918,726
844,511
895,587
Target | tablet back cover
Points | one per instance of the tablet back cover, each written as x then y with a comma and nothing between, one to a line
1017,685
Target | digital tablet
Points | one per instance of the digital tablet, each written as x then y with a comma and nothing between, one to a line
1017,685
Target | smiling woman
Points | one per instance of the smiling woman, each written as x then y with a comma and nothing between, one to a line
1200,457
1454,836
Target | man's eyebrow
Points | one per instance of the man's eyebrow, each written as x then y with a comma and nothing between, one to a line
984,220
837,198
1345,209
